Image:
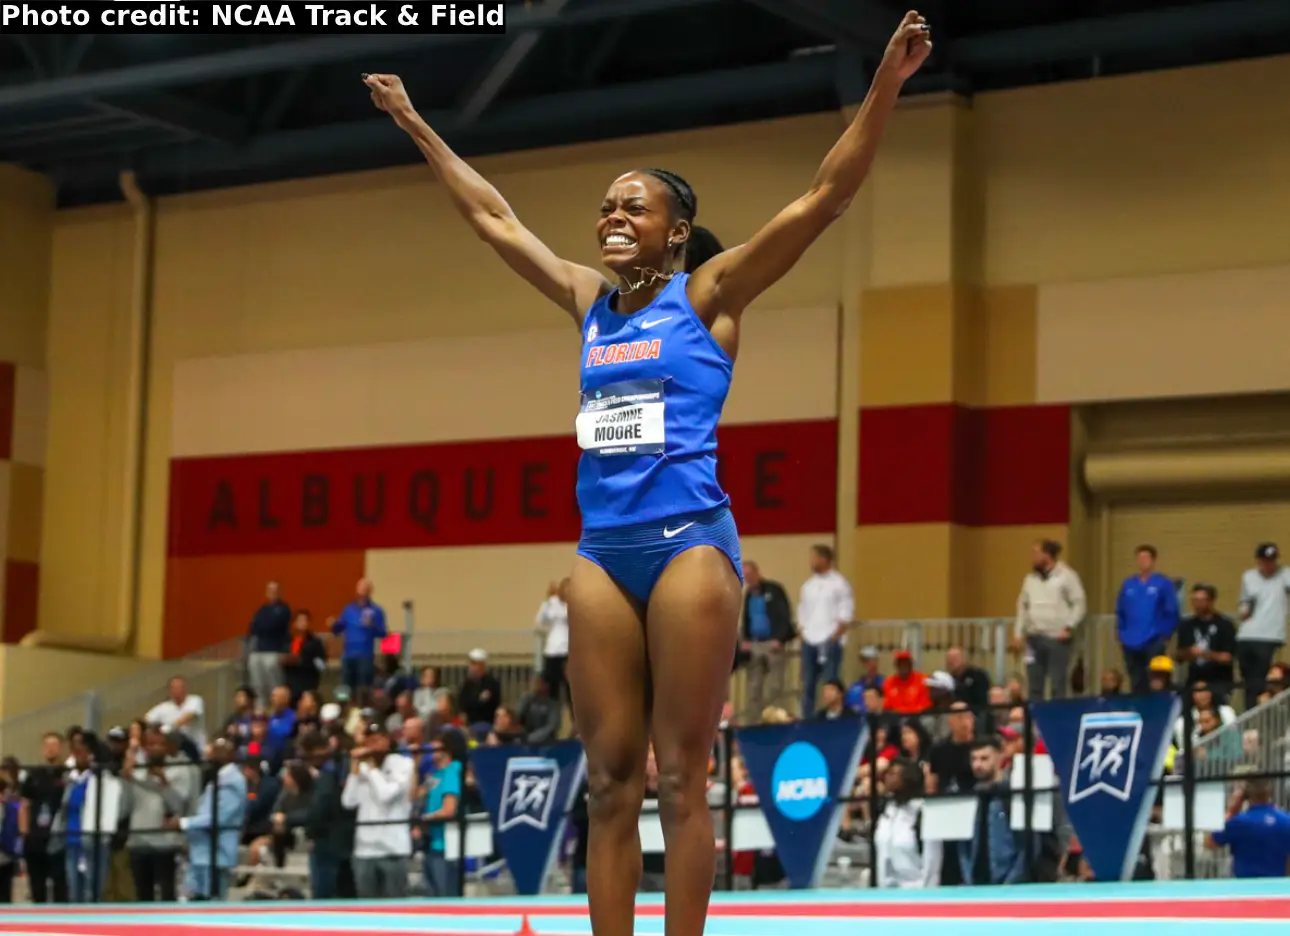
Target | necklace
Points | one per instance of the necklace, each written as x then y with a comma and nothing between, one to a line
649,276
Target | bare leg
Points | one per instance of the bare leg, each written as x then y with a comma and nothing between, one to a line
609,678
691,629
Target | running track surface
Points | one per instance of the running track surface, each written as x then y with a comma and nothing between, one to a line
1214,908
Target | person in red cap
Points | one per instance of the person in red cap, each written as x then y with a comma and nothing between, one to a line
905,691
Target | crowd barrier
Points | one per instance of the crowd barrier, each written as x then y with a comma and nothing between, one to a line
1101,770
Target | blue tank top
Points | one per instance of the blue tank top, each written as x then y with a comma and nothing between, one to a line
653,386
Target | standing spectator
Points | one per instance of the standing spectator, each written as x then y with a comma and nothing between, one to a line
995,854
86,822
1263,619
328,824
553,624
1146,616
442,796
183,713
1207,643
379,788
1256,831
538,713
303,660
905,691
871,678
158,792
359,626
905,860
824,611
481,693
767,630
11,822
43,792
1050,608
266,639
949,762
220,810
971,683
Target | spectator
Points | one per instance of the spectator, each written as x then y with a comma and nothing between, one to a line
553,624
287,812
904,859
403,710
1050,608
379,788
1146,615
905,691
995,854
950,760
834,698
871,678
266,639
43,791
481,693
506,730
221,811
360,626
1256,832
308,714
11,816
280,728
971,683
1112,682
158,791
238,727
1203,701
328,824
442,798
538,713
424,695
1222,749
303,660
1207,643
184,712
262,792
1263,618
825,608
767,630
1160,674
86,821
940,691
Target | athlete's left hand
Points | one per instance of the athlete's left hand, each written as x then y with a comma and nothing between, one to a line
909,47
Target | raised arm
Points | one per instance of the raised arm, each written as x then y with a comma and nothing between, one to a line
729,282
570,286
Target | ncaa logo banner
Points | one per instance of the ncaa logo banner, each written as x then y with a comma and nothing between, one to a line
1108,753
801,773
528,792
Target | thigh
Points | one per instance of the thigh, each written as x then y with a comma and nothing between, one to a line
608,676
692,629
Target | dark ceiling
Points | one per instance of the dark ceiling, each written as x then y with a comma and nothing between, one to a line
190,112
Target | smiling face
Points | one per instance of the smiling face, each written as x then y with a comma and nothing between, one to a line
637,219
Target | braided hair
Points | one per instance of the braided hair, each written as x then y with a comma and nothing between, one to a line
702,245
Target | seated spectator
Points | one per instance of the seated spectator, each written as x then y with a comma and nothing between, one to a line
262,789
184,712
905,691
1112,682
1203,699
506,730
915,745
308,714
1222,750
950,760
834,697
904,859
481,693
238,727
287,812
403,710
423,697
1160,674
538,713
971,683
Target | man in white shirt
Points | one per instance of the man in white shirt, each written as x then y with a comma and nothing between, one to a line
1049,609
825,607
1263,619
553,623
379,787
183,712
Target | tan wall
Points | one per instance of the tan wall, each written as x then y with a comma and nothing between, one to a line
34,677
1090,182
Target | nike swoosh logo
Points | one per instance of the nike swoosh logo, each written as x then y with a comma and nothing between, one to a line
668,534
656,322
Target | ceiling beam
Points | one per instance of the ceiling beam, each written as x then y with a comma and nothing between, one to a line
863,22
179,114
503,66
282,56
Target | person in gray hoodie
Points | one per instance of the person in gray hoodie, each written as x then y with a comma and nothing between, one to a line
158,790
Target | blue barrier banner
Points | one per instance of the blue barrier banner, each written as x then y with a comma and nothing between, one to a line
1107,752
801,772
528,792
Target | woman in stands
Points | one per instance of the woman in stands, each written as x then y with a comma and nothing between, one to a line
655,597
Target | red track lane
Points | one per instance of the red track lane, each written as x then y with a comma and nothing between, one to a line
194,928
1255,908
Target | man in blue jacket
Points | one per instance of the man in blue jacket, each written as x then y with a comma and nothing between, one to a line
361,625
221,810
1146,615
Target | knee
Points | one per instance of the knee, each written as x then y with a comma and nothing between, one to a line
614,795
682,792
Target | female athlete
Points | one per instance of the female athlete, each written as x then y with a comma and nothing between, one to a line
654,599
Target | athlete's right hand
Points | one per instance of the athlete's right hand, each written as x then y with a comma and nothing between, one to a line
388,94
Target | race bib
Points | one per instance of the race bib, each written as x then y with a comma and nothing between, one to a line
623,419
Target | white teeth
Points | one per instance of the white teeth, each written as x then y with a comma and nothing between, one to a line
619,240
